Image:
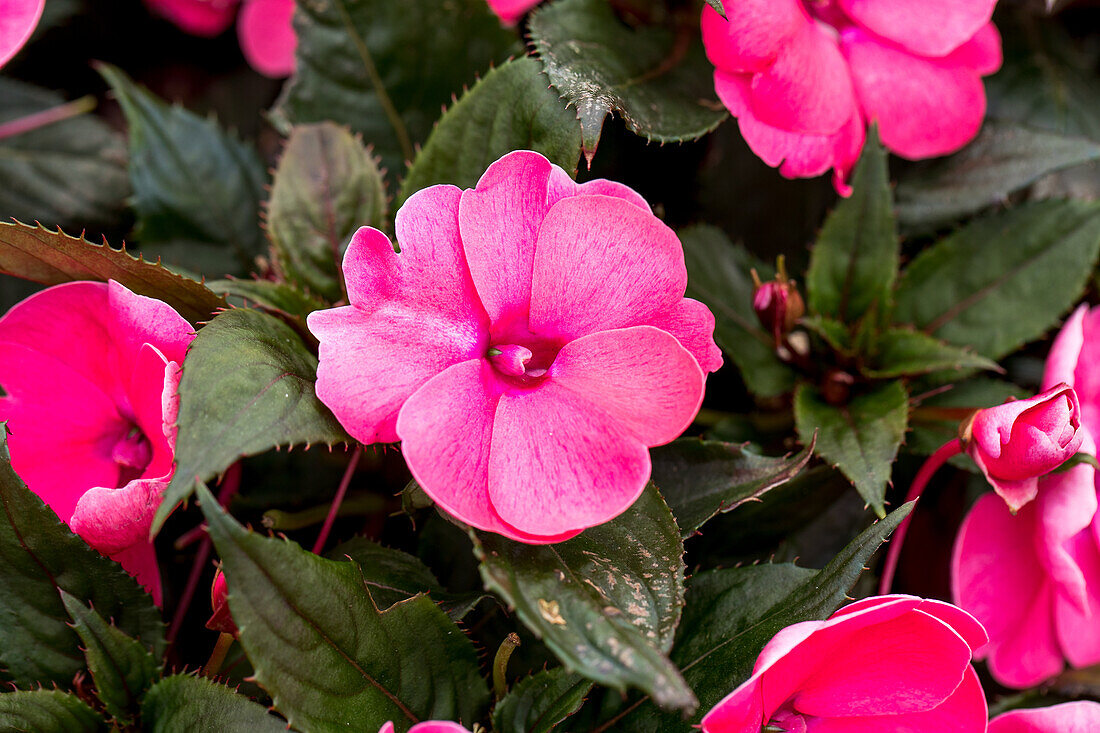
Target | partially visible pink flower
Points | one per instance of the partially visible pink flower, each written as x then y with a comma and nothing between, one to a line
805,77
1016,443
428,726
886,663
266,34
510,11
89,371
527,346
1070,717
18,19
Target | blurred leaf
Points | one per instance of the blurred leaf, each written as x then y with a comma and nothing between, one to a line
71,172
48,711
732,614
329,658
700,478
860,438
717,5
1004,158
854,264
512,108
657,77
268,294
606,602
392,576
191,180
718,275
326,186
385,69
39,556
36,253
832,331
247,387
926,435
121,667
901,352
540,702
182,704
1004,279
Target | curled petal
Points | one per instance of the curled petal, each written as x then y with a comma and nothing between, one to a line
267,37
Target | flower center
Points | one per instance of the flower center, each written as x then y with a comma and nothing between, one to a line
132,453
524,364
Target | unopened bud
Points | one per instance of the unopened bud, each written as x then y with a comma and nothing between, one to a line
222,620
777,303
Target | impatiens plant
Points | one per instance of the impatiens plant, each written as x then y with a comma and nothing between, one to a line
484,373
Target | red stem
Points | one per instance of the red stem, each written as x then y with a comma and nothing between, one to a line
946,451
336,502
47,117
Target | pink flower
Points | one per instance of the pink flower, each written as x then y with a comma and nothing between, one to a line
221,620
777,304
1070,717
886,663
1016,443
264,28
428,726
510,11
18,19
1033,579
805,77
527,345
89,372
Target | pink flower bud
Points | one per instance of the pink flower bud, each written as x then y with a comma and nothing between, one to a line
222,620
778,304
1017,442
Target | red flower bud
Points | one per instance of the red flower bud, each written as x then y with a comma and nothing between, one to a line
222,620
1017,442
777,303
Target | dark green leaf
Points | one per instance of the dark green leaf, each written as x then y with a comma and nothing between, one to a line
47,711
657,77
247,387
512,108
36,253
606,602
121,667
860,438
1005,279
718,275
68,173
331,660
393,576
538,703
190,179
386,68
832,331
901,352
928,434
326,186
268,294
182,704
1005,158
700,478
855,261
38,557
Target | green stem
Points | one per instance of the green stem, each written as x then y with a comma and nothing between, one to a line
281,521
500,664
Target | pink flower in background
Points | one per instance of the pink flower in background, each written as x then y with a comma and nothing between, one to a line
1033,579
18,19
510,11
804,78
89,371
527,346
428,726
1016,443
264,28
1070,717
886,663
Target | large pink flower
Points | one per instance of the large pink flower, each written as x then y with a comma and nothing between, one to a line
510,11
1070,717
18,19
887,663
1033,579
805,77
428,726
264,27
527,345
89,372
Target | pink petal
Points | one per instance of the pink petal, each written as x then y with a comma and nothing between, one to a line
1077,622
604,187
692,324
510,11
1032,654
198,17
925,27
267,36
982,53
1070,717
808,89
1066,506
140,561
924,107
1086,377
18,19
112,520
559,463
155,403
753,33
962,622
741,711
641,377
136,320
1062,358
602,263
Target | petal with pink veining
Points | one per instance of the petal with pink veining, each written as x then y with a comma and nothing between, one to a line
18,19
267,37
111,520
925,27
692,324
1082,716
752,34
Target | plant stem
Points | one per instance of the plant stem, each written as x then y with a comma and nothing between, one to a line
279,520
49,116
946,451
500,664
337,500
221,648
